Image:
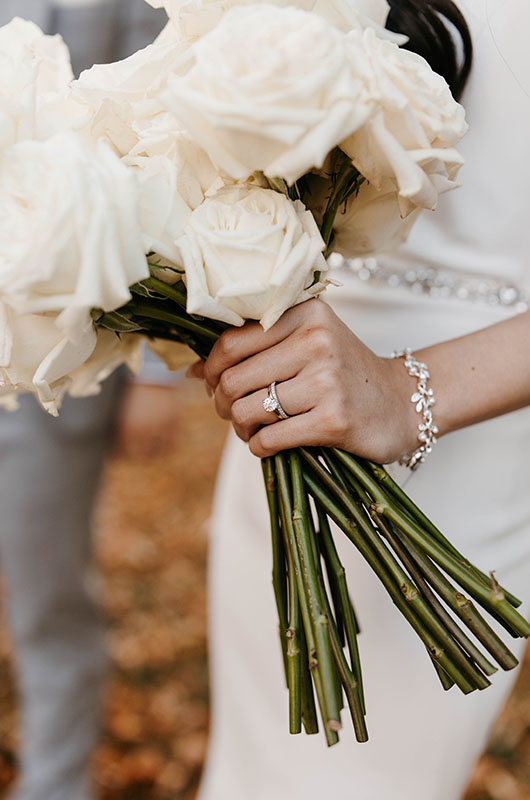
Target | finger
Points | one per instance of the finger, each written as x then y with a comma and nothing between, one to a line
248,414
305,430
237,344
279,363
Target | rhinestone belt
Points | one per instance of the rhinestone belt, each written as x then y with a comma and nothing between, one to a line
439,283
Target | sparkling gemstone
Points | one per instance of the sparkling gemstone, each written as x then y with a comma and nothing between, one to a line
269,404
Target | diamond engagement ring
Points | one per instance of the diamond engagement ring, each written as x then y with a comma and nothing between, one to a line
272,404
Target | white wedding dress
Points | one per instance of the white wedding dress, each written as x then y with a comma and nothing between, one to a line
475,486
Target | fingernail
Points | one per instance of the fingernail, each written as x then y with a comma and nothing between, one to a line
209,390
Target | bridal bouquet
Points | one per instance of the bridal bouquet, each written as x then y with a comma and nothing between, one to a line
200,183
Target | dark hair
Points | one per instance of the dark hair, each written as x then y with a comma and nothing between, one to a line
425,22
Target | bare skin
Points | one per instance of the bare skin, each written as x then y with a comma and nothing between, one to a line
341,394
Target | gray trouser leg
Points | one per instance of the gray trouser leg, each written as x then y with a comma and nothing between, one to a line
49,471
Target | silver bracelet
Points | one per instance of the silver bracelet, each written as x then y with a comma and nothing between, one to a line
423,399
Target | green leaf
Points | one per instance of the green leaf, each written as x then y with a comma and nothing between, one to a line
114,321
154,268
279,185
143,291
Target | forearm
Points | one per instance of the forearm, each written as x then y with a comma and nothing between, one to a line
482,375
338,393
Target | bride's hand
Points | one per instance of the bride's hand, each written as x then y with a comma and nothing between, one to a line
336,391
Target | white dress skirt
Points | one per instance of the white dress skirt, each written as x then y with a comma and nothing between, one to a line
475,486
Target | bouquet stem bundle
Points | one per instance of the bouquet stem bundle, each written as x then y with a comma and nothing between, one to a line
429,581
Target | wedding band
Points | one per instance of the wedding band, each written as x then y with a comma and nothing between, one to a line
272,405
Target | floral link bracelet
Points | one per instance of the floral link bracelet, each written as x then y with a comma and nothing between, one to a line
423,398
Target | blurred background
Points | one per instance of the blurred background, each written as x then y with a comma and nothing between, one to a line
151,450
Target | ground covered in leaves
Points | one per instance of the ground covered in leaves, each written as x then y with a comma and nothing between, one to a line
151,542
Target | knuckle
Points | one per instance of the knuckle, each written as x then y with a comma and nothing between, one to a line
228,342
326,340
320,341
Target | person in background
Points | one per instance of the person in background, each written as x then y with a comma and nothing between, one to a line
49,473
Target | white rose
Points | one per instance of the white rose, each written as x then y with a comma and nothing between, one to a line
410,138
173,175
191,19
69,232
371,222
36,357
249,253
123,96
348,15
35,73
270,89
110,353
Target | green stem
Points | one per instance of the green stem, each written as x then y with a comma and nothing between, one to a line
312,588
323,600
346,177
284,487
347,678
335,568
279,572
170,290
406,552
293,651
387,482
445,680
492,599
174,318
410,591
294,661
309,712
462,606
415,571
402,599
